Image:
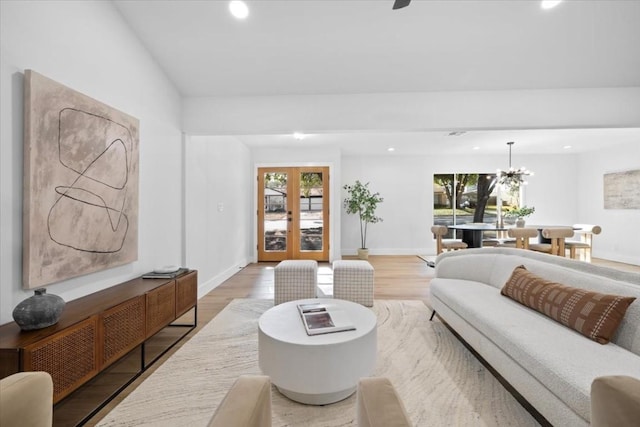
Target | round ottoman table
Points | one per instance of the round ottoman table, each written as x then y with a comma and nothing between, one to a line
318,369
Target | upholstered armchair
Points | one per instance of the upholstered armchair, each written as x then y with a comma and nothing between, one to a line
26,400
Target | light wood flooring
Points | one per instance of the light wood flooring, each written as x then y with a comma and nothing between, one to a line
396,277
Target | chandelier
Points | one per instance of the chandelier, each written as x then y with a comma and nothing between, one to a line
513,177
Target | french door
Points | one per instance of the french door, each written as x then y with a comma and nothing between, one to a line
293,213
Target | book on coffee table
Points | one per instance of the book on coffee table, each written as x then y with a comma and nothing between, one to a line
320,319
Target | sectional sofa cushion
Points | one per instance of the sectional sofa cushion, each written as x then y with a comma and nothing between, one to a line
593,314
560,358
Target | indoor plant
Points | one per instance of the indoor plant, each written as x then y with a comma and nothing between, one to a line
363,202
520,213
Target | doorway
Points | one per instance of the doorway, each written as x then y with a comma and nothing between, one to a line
293,213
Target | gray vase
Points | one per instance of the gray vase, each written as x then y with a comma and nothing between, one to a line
38,311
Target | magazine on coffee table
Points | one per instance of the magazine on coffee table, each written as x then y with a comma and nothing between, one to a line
320,319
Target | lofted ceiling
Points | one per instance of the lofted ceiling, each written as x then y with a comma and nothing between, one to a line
308,47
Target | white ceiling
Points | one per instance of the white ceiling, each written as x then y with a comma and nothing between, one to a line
342,46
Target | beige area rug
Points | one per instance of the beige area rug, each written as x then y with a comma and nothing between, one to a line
440,382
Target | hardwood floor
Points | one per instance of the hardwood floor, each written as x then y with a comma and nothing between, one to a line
396,277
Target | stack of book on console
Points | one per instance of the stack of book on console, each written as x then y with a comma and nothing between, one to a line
168,272
321,319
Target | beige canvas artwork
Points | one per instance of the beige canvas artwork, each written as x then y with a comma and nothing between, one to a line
622,190
80,184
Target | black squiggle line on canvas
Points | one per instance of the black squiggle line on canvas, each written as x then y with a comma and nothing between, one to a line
64,191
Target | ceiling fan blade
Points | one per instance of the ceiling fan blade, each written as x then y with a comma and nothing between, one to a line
399,4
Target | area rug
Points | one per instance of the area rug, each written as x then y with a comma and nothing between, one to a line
439,381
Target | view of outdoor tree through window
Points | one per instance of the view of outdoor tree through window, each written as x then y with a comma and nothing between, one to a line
462,198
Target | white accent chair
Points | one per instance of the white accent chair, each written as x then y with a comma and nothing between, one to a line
246,404
26,400
615,401
378,404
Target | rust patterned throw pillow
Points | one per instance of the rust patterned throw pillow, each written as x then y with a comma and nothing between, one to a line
594,315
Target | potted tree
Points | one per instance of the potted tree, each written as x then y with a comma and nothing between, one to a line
520,214
363,202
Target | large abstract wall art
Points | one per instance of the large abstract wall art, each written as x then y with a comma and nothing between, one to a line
80,184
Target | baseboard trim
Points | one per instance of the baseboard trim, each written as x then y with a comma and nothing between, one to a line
214,282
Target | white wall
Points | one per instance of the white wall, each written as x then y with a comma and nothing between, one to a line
406,183
566,189
619,237
88,47
218,208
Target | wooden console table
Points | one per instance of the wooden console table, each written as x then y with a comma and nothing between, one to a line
100,331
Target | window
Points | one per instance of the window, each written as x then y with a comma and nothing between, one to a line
461,198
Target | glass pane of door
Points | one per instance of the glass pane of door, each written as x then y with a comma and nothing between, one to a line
275,211
311,219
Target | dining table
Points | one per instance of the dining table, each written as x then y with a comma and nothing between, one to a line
472,232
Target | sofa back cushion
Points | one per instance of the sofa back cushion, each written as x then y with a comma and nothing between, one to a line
493,266
595,315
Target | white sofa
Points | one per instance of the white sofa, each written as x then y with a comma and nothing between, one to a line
550,365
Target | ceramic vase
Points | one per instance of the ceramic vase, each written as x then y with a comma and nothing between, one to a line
520,222
38,311
363,253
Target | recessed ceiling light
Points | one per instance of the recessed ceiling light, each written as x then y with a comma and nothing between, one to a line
391,149
566,147
549,4
476,148
299,136
238,9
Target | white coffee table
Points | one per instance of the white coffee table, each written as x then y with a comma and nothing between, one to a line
319,369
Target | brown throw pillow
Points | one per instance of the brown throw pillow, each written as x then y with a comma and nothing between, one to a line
594,315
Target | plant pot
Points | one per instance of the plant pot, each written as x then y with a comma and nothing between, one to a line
520,222
363,253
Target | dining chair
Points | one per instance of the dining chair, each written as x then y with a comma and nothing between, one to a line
557,235
586,232
449,244
521,237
